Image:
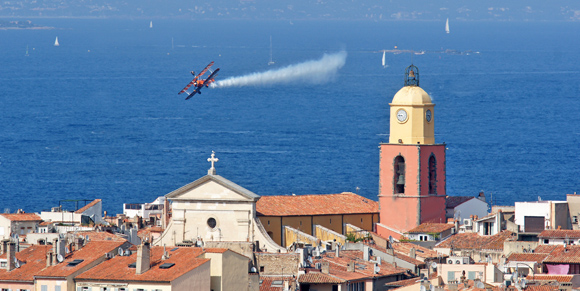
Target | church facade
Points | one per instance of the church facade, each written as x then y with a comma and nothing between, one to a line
214,209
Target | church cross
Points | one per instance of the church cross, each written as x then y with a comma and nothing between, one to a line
212,160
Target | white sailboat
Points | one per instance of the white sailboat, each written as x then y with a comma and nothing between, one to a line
384,60
150,24
26,51
271,62
447,26
56,42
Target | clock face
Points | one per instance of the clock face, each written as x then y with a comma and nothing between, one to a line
428,115
401,115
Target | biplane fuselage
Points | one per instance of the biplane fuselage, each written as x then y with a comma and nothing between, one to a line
198,83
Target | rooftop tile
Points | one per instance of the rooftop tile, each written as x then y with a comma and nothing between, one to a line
321,204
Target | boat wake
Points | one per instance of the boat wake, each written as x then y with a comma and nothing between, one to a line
313,72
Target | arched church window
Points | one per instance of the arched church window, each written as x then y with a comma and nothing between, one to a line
432,175
211,222
399,175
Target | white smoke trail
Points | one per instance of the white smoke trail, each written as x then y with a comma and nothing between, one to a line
314,72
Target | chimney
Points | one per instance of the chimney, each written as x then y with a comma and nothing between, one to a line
365,253
337,251
79,243
11,256
300,257
49,259
143,258
5,245
412,253
350,266
325,267
286,286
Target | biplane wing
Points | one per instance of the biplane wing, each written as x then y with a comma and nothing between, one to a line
194,81
211,79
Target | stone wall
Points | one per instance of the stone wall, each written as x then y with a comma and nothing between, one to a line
277,264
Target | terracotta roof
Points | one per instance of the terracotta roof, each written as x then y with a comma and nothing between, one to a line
321,204
318,278
559,278
528,288
475,241
363,270
404,283
45,223
423,252
101,236
559,233
544,249
527,257
454,201
561,254
34,259
266,283
117,269
89,253
93,203
431,228
400,255
21,216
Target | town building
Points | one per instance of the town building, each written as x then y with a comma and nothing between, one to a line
63,267
462,207
305,212
17,269
479,248
431,232
535,216
178,269
412,166
559,237
145,210
18,224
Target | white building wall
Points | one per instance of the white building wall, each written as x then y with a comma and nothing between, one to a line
471,207
536,208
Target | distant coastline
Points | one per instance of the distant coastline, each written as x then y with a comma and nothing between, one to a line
16,24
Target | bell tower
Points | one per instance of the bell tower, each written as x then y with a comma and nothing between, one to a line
412,165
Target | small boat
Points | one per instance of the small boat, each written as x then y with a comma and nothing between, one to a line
271,62
26,51
56,42
384,60
447,26
151,24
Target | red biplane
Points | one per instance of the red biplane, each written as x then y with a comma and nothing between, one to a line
199,83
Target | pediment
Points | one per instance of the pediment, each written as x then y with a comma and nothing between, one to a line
213,188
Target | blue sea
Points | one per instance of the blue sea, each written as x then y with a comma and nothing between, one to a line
99,116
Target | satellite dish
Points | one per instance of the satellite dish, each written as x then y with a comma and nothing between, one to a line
87,237
377,269
16,263
59,258
253,270
391,239
514,276
480,285
120,251
66,250
433,265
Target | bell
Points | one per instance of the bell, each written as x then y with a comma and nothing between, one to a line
412,74
401,180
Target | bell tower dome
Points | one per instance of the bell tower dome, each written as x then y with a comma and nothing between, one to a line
412,166
412,115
